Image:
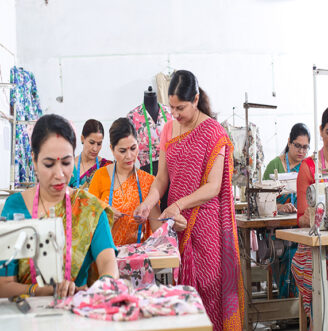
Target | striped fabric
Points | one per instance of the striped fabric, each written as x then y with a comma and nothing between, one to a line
209,245
302,272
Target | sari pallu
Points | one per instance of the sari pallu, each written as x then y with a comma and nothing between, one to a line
209,246
86,211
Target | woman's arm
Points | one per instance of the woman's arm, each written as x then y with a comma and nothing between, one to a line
154,213
304,179
106,263
201,195
9,287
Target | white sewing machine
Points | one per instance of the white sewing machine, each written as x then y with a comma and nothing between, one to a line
43,240
322,200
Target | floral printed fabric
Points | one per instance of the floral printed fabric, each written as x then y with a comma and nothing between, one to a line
237,136
136,116
133,260
25,97
115,300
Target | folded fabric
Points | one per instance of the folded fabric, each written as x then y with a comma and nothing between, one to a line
133,260
116,300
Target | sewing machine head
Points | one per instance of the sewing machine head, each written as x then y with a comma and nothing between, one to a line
43,240
318,205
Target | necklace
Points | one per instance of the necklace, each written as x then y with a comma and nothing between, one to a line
119,182
192,127
44,208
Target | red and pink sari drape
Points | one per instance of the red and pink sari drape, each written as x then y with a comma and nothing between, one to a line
209,246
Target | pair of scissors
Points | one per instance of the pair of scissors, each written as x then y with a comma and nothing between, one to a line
149,218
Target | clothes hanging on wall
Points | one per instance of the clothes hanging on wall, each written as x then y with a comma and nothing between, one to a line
163,83
238,137
26,99
137,117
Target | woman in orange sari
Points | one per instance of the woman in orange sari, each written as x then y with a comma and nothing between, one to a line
124,187
196,159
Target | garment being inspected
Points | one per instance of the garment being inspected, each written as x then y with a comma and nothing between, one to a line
136,116
90,233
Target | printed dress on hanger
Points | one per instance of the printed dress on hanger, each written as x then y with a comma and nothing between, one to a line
256,156
26,99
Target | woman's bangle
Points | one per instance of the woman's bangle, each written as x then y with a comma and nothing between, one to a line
176,203
32,289
105,276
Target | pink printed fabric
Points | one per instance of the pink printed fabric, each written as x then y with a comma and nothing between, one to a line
133,260
136,116
209,245
116,300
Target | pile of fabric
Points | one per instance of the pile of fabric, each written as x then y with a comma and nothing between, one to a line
133,260
117,300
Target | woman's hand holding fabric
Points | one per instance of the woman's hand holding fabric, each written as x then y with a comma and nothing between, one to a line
141,213
171,211
65,288
117,214
180,223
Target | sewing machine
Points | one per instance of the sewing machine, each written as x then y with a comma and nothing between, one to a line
43,240
321,219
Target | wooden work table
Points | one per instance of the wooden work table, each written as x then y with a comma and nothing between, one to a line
270,309
319,280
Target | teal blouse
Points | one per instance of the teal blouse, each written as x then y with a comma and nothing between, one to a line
102,239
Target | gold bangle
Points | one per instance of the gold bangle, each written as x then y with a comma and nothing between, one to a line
33,289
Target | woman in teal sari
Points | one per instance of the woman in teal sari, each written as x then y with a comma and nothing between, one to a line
88,162
86,219
290,161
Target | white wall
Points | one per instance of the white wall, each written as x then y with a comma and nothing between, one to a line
110,51
7,60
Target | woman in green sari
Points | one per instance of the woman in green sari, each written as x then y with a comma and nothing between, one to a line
290,161
53,144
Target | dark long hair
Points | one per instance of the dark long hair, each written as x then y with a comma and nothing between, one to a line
324,119
48,125
185,86
299,129
121,128
92,126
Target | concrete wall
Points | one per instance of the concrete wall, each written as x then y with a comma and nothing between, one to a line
7,60
108,52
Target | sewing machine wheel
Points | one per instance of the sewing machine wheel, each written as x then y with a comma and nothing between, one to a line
310,195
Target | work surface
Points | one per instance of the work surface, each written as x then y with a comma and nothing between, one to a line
263,222
302,236
40,318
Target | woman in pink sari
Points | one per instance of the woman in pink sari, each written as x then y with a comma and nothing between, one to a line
196,159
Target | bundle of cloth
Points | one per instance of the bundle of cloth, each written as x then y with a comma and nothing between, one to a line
117,300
